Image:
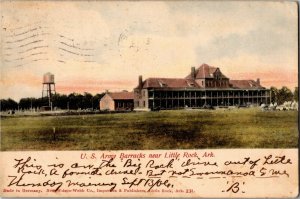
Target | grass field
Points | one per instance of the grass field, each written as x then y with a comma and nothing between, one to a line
182,129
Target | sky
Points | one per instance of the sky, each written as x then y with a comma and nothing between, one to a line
93,46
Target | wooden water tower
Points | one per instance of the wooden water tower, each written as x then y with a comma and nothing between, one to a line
48,87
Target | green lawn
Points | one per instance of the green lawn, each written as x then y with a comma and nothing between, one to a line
182,129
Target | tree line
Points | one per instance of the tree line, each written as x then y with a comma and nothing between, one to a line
73,101
284,94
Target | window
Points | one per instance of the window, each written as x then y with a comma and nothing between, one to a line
144,103
144,93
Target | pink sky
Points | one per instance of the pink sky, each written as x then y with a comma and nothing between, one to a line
102,46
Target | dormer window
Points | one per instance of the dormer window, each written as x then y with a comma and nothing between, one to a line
191,84
217,75
162,84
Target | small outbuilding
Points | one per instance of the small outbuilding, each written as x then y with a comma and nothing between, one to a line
117,101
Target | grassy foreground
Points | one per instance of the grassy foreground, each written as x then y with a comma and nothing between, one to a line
182,129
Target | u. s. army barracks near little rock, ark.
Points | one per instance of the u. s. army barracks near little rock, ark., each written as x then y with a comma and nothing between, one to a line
205,86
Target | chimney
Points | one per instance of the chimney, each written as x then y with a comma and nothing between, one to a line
193,72
106,91
258,81
140,81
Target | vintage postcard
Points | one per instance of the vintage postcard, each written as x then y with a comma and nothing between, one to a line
149,99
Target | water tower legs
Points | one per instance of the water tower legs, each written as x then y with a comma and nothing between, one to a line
48,91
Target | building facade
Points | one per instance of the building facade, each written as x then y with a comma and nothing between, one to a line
204,86
117,101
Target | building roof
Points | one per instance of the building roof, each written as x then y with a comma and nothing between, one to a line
168,83
244,84
121,95
202,72
205,71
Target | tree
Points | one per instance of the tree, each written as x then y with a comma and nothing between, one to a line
75,101
25,103
8,104
87,101
284,94
96,100
274,94
60,101
296,94
42,101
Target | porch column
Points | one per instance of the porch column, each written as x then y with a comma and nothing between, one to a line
172,99
183,99
159,99
257,97
228,98
217,98
178,99
248,96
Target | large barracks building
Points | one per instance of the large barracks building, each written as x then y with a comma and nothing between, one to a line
204,87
